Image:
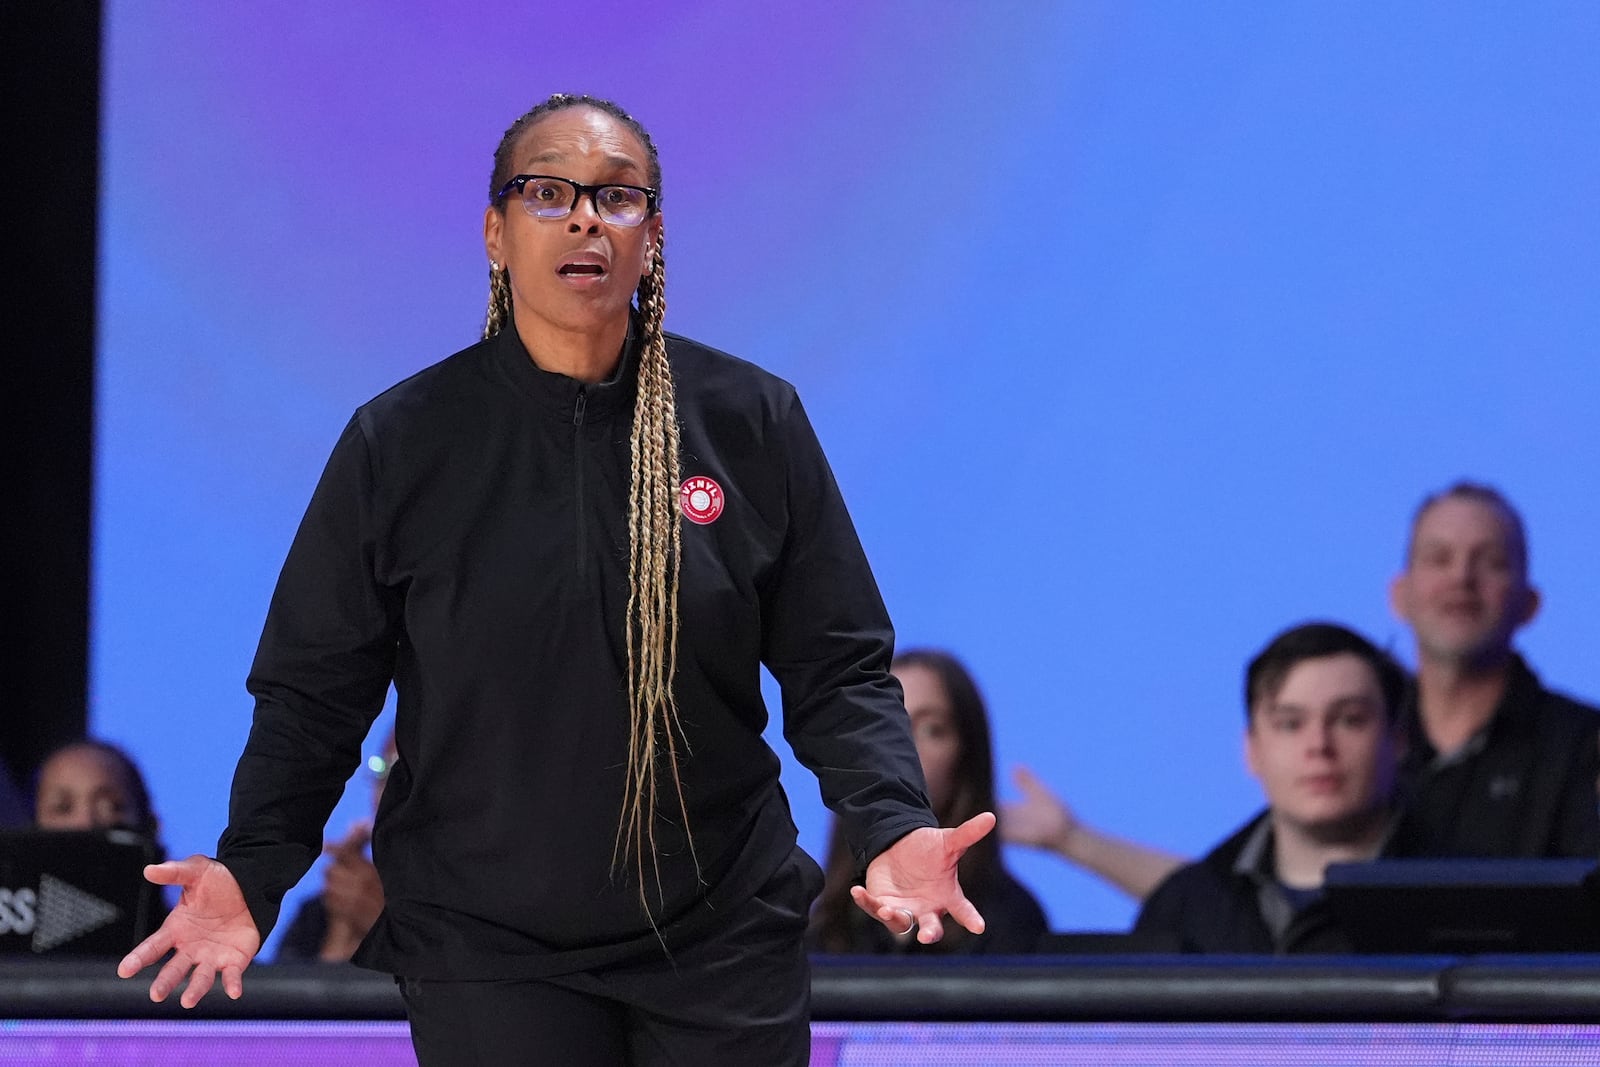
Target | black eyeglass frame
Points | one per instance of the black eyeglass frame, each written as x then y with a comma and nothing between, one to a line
579,191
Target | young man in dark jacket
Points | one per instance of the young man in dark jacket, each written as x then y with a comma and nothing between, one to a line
1323,736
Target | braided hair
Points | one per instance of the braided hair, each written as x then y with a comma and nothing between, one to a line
655,734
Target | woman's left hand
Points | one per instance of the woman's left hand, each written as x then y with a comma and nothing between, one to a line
913,883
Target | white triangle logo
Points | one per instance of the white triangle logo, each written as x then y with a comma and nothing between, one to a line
67,912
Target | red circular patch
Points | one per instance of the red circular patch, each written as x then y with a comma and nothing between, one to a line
700,499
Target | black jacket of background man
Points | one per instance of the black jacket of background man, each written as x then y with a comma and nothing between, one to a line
1523,787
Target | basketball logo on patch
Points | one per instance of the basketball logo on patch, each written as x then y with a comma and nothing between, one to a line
700,499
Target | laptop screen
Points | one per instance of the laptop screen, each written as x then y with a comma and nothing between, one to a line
1467,906
69,893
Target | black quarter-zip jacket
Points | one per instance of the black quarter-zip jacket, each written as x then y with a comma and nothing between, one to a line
468,541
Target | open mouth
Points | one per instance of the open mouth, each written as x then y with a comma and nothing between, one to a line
571,270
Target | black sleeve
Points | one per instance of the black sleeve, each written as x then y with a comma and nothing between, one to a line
321,672
828,642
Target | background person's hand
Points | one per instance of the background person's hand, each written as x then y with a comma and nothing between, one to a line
914,881
352,895
209,932
1040,819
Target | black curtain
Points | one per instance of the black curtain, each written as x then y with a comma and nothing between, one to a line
50,81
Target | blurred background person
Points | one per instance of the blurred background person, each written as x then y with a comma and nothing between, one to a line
1323,736
951,728
1495,764
330,925
94,785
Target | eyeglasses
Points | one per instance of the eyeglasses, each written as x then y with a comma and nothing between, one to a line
548,197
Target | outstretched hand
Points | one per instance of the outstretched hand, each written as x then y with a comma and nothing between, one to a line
1041,819
210,931
912,883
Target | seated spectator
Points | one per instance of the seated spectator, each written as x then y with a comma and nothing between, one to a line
94,785
330,926
951,729
1496,765
1324,738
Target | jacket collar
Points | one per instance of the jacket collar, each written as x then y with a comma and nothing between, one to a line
564,396
1523,692
1256,864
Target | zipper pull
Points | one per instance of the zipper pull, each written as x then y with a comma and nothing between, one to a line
577,411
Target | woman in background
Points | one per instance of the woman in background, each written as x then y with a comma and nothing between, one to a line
951,728
93,785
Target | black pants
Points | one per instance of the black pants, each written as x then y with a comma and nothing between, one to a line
742,997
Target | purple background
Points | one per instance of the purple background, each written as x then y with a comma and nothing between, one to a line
192,1044
1134,331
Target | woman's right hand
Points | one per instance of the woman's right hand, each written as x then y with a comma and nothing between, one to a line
210,931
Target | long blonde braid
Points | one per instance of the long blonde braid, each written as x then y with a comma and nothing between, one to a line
654,533
654,554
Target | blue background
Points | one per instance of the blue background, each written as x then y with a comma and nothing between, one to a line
1134,331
